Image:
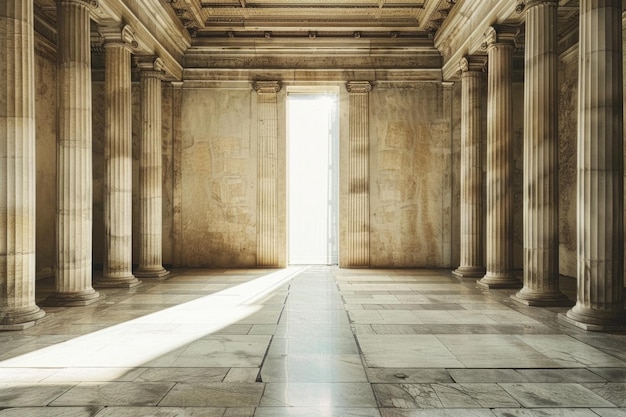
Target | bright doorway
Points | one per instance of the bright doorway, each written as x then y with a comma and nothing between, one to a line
313,150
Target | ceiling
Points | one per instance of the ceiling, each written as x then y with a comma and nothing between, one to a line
311,18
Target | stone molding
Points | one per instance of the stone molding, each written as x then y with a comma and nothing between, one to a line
150,66
472,63
91,4
267,87
500,34
359,87
119,35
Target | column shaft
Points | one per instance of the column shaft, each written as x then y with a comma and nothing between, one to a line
499,167
600,216
358,207
74,157
471,175
118,180
17,167
267,175
150,179
541,157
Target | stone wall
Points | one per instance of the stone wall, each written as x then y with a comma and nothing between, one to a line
218,177
45,155
409,179
568,112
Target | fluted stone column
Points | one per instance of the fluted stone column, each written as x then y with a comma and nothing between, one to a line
74,157
118,180
471,170
357,252
268,250
541,159
17,167
599,303
499,44
150,171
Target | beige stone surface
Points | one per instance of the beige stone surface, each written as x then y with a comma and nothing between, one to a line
45,136
409,147
218,184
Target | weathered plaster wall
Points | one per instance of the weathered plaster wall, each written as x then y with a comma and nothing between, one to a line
218,177
45,125
568,113
409,182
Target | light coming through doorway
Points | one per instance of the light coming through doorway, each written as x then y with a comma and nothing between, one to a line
313,148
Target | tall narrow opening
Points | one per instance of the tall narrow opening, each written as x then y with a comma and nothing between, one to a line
313,150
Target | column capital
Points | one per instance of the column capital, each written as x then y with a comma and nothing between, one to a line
472,63
501,34
119,35
150,66
266,87
358,87
524,5
91,4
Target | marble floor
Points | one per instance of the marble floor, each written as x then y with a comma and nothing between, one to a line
309,342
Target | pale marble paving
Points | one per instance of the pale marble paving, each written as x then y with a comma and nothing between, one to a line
313,368
462,346
316,412
213,395
162,412
559,375
611,374
459,412
407,375
318,394
611,391
411,351
569,352
610,412
25,395
545,412
53,412
406,396
534,395
114,393
486,375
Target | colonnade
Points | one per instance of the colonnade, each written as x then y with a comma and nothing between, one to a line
73,285
600,228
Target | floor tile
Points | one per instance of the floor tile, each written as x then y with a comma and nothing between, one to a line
24,395
114,393
545,412
406,396
481,395
51,412
318,394
486,375
313,368
316,412
532,395
406,351
611,391
162,412
459,412
559,375
214,395
407,375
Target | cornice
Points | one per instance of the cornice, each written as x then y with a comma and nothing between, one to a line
462,33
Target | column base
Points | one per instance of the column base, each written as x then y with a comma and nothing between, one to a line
20,320
124,281
498,281
542,299
469,272
159,274
72,299
595,321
